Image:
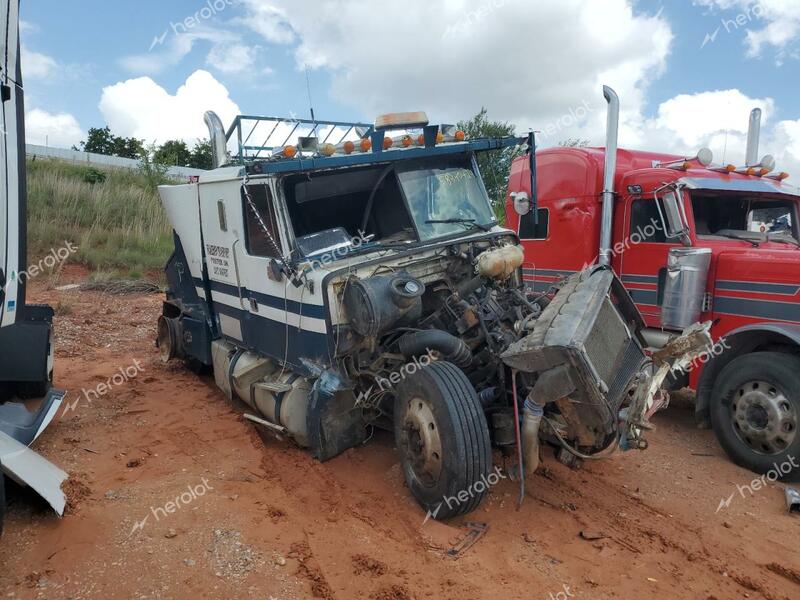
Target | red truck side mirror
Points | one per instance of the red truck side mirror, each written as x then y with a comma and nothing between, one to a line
673,215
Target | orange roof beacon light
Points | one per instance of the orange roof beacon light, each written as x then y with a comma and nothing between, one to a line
766,165
704,156
365,145
288,152
348,147
453,134
779,176
387,142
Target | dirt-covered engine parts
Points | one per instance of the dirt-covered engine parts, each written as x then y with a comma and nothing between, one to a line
376,304
500,263
583,356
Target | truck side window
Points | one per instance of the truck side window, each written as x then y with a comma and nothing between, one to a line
540,231
646,222
257,241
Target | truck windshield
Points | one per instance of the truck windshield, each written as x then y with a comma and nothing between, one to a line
445,199
745,216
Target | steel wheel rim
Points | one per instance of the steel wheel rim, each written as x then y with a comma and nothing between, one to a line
763,417
423,442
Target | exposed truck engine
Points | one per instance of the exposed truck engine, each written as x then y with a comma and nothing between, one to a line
340,287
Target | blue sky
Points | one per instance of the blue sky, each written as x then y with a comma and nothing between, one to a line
527,62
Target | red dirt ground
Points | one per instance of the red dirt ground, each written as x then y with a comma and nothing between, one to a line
267,521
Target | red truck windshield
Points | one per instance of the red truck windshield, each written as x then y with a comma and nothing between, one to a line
725,214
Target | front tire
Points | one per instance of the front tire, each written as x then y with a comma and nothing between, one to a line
443,440
755,412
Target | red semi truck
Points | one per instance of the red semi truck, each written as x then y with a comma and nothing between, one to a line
691,241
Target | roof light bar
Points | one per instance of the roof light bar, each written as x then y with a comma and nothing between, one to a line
403,120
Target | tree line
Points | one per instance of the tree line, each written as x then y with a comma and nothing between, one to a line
170,153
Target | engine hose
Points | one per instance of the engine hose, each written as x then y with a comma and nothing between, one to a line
450,347
531,420
602,454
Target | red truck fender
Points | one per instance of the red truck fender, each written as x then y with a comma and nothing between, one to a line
775,337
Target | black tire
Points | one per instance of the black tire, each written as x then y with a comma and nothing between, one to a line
454,416
755,411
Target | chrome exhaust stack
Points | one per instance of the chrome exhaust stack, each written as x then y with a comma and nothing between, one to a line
612,133
753,138
219,144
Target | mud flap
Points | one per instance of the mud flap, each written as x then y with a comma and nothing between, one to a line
334,421
18,428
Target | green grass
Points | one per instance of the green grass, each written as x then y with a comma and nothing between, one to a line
118,224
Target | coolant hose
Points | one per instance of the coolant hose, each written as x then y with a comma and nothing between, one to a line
531,420
449,346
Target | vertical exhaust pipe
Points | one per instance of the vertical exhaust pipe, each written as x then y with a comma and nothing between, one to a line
753,138
219,145
612,132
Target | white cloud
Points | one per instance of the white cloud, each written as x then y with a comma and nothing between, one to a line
528,62
269,21
774,23
60,130
233,58
174,50
141,108
36,65
719,120
695,118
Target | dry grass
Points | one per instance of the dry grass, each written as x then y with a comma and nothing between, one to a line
118,224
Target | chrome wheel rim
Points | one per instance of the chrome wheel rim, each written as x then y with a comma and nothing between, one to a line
763,417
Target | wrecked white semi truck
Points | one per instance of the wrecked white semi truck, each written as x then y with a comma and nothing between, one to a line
344,279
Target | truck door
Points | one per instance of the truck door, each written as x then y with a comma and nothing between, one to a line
285,321
222,226
640,255
12,236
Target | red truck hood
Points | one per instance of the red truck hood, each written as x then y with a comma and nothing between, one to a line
762,283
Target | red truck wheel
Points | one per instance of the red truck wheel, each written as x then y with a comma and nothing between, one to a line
755,412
